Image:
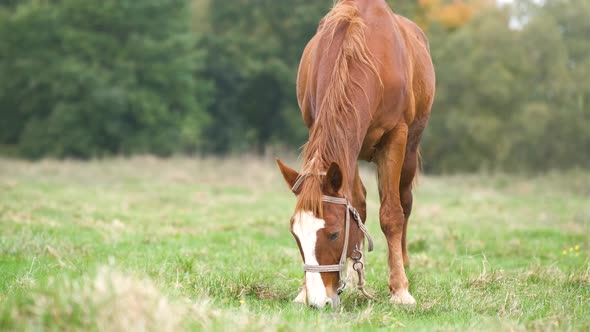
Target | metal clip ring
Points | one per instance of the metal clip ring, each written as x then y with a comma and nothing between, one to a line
358,266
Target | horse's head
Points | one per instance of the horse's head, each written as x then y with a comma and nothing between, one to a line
321,232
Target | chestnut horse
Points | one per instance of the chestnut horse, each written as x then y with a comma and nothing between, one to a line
365,88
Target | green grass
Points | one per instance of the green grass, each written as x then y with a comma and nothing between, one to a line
165,245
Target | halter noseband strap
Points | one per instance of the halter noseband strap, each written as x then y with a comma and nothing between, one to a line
349,210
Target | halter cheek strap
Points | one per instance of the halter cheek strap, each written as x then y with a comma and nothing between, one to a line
349,210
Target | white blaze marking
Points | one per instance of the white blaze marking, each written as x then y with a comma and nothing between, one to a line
305,227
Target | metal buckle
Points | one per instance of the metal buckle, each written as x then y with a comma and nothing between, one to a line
355,214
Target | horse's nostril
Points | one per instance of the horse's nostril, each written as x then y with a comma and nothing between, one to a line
327,303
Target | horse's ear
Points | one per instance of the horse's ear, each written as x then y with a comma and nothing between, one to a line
334,177
289,174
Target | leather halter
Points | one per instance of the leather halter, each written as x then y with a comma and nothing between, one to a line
349,210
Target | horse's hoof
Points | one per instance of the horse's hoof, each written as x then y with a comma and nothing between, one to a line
301,298
402,297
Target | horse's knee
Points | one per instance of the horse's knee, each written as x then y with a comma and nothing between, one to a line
392,228
391,220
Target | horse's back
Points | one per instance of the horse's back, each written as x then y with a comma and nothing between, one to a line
406,75
423,83
402,49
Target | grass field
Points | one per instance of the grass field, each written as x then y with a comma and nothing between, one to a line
166,245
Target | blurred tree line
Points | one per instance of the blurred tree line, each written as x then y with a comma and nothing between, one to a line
88,79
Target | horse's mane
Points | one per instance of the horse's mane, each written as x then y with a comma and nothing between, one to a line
342,41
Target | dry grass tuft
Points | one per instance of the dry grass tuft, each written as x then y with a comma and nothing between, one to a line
119,302
510,307
124,303
539,273
489,278
112,301
582,279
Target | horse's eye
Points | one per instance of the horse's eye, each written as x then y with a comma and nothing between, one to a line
333,236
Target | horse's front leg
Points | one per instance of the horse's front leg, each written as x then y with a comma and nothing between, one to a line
389,161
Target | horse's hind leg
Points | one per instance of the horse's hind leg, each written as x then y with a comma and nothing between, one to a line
408,173
390,161
406,198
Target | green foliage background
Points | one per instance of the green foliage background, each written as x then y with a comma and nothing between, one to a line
90,79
